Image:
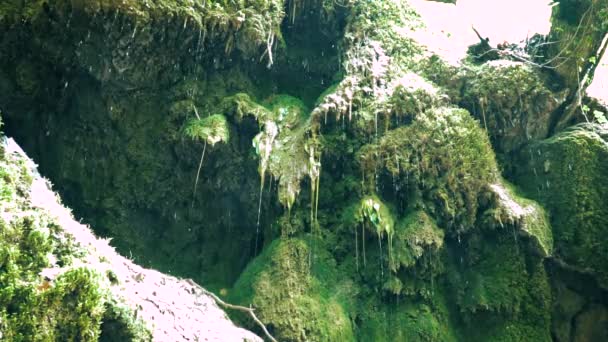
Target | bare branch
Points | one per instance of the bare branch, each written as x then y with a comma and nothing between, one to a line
220,302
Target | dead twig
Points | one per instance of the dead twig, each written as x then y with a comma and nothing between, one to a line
220,302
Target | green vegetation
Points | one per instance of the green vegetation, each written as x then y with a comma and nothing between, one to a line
511,101
72,306
416,235
566,173
352,186
294,294
444,158
210,130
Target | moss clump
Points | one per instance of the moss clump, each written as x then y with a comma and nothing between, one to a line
405,320
443,157
566,173
511,101
417,255
211,130
511,211
68,308
415,235
378,53
241,105
375,213
293,297
283,145
286,147
119,324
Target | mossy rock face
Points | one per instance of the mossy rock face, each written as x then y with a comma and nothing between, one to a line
373,212
511,102
415,235
293,297
566,173
71,309
406,321
285,148
135,73
137,42
134,82
502,292
512,211
444,157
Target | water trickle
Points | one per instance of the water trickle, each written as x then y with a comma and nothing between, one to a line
257,226
380,258
363,242
515,239
376,123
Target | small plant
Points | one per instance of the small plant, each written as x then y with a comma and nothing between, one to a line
600,117
372,210
210,130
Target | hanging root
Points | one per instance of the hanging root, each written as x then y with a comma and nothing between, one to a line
269,44
223,304
198,172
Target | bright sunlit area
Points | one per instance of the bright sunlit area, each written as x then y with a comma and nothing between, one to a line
449,27
599,86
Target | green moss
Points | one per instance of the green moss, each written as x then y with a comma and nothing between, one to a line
502,294
286,147
566,173
71,309
241,105
373,211
119,324
511,101
250,22
444,157
293,297
405,320
378,52
211,130
415,235
287,110
512,211
33,308
429,167
282,145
